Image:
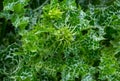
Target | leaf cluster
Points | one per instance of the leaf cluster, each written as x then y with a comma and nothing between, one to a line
59,41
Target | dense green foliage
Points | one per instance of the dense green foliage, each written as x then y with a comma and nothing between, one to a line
60,40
